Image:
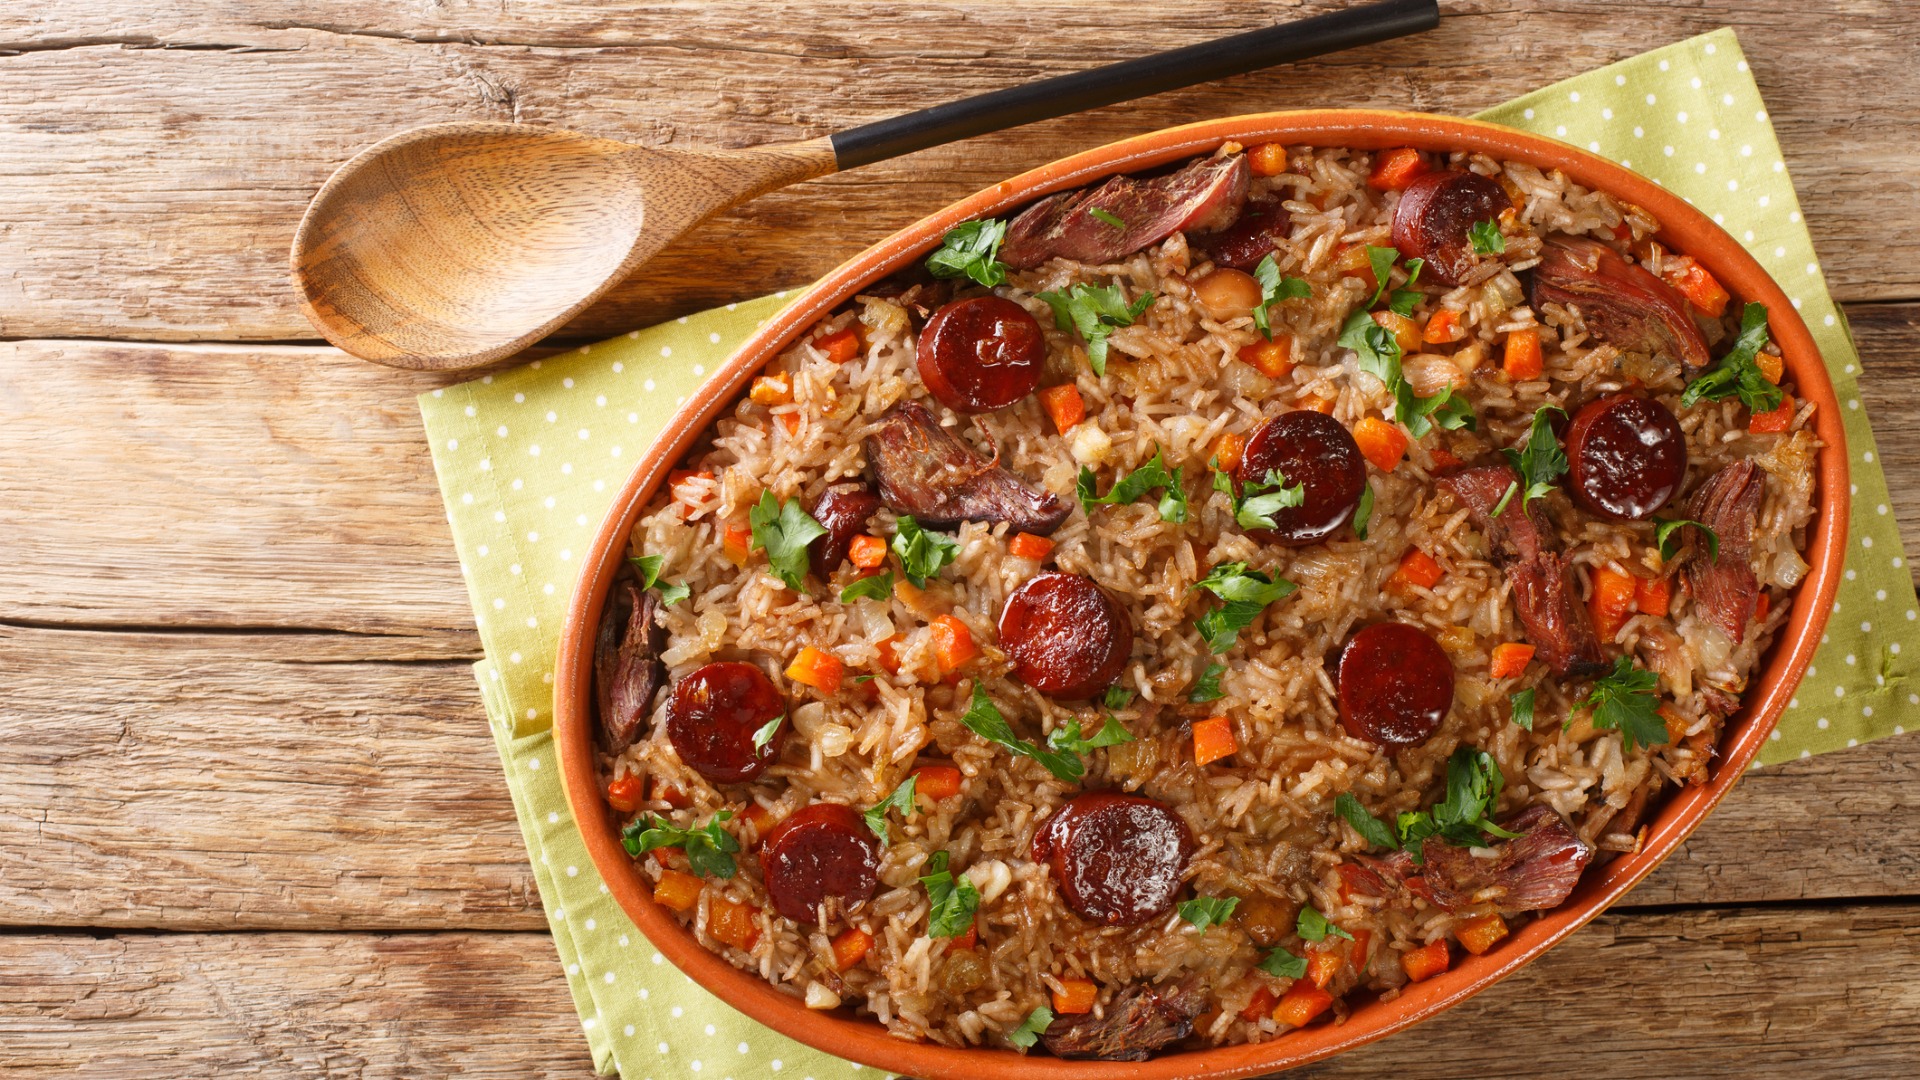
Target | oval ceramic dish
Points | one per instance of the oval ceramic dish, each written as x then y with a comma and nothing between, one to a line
1684,228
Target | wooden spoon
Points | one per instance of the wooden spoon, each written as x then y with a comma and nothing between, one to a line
453,245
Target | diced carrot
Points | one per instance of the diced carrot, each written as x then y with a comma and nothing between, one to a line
760,817
820,670
672,796
772,389
1213,739
1416,568
1352,261
1267,159
1509,658
1443,326
626,793
1622,230
1522,358
736,543
663,856
1772,423
1323,965
849,946
1395,169
967,940
1514,192
1613,599
1427,961
1478,935
1028,546
1362,942
953,643
685,496
1260,1005
1064,405
1771,366
1274,359
1653,596
867,552
1382,443
889,650
1406,332
840,346
1444,458
1301,1003
731,921
1696,284
677,890
1676,724
1762,606
1227,450
936,782
1317,404
1075,996
790,421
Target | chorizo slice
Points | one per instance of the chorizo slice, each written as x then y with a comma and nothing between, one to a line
1317,452
981,354
924,470
1067,636
1118,860
627,671
1206,194
1626,457
821,850
1258,232
1434,216
1621,303
1395,684
843,510
1725,588
714,714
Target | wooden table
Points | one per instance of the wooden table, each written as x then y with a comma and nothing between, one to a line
250,819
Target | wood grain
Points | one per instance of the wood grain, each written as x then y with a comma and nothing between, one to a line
1693,994
176,172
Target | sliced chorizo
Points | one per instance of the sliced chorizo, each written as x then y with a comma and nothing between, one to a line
714,714
1316,451
1118,860
1433,220
981,354
1395,684
843,510
1067,636
1626,457
821,850
1258,232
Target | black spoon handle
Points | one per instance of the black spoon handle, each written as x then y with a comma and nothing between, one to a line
1048,98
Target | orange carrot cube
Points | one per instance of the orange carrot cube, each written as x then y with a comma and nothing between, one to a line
1477,935
1613,599
1259,1006
772,389
626,793
1522,359
867,552
1323,965
1427,961
1774,368
936,782
1075,996
1416,568
1064,406
820,670
1653,596
1442,326
1028,546
840,346
1301,1003
1213,739
1267,159
1274,359
1383,444
1395,169
1228,449
736,543
1406,332
1317,404
889,650
1509,658
1775,422
953,643
733,922
677,890
967,940
849,946
1694,282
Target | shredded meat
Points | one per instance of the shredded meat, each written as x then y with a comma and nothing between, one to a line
626,663
1534,871
1621,303
1140,1020
1205,195
923,470
1725,588
1523,540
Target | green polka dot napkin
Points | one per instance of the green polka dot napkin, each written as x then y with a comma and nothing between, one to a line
528,461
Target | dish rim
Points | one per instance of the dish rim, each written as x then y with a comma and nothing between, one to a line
866,1041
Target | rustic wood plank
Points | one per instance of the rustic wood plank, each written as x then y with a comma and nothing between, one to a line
1888,336
153,190
1696,994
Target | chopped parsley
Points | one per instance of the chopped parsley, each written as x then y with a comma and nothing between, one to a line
1257,501
1029,1030
1067,739
1108,216
901,800
1128,488
1363,513
872,587
1474,781
1205,911
1375,832
767,731
954,899
1401,300
971,250
647,568
784,530
1283,964
1380,357
1313,926
1523,708
1273,289
709,847
1092,311
1669,544
1539,463
1485,237
1117,698
1627,700
1207,687
1246,592
1381,259
1737,374
984,720
921,553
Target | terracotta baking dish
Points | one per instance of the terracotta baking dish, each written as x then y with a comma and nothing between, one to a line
860,1040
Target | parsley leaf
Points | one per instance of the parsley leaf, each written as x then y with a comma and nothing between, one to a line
1363,513
1313,926
1284,964
1128,488
1257,501
1379,355
1108,216
1736,373
954,899
901,800
1067,739
872,587
784,530
922,553
1246,592
673,594
1669,545
1523,708
1485,237
647,568
1474,781
1627,700
1117,697
1030,1029
1273,289
1092,311
1381,259
1401,300
971,250
1371,829
767,731
1540,462
709,847
1205,911
984,720
1207,686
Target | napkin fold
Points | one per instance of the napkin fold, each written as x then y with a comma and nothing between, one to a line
528,461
